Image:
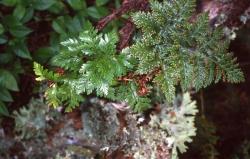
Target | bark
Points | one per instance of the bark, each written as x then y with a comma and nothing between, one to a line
232,9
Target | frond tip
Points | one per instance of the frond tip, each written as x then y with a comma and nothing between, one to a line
44,74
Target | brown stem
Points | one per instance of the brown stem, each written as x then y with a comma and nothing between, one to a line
126,33
127,5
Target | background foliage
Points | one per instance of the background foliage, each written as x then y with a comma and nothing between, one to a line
23,41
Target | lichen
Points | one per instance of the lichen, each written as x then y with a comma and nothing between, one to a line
30,121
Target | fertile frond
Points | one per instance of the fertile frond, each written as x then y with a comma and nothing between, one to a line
187,53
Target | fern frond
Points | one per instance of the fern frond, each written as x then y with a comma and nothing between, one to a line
189,54
167,86
91,65
44,74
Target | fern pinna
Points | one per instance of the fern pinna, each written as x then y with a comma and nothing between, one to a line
170,50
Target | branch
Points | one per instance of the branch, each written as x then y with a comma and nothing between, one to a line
126,33
127,5
232,10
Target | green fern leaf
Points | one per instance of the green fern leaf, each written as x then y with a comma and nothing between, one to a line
44,74
189,54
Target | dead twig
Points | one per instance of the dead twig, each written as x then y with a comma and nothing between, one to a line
127,5
125,33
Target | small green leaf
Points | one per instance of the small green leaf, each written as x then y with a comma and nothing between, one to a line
94,12
3,39
20,31
1,29
42,55
7,80
58,25
28,15
43,4
55,42
3,109
19,12
57,8
22,51
101,2
77,4
6,57
82,15
17,68
5,95
76,23
8,2
117,3
73,24
10,21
